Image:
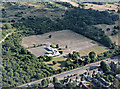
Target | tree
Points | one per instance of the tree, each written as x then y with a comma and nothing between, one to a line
108,29
54,62
92,56
87,60
66,46
55,80
52,45
106,68
110,78
71,85
44,82
57,46
58,85
98,75
50,36
116,83
118,70
61,52
82,78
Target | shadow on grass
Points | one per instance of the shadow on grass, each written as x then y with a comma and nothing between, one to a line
62,63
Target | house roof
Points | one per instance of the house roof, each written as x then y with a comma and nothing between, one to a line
118,75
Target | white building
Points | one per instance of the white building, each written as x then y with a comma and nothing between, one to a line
54,51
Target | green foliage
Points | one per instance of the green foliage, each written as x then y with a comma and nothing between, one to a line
61,52
57,46
50,36
114,32
76,19
110,77
45,58
118,70
82,78
44,82
58,85
52,45
55,80
92,56
116,84
54,62
19,65
106,68
71,85
108,29
87,60
98,75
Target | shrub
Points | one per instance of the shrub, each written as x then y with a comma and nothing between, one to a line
52,45
54,62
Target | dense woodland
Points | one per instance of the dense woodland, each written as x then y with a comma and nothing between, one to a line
20,66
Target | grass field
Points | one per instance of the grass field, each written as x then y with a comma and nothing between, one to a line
61,60
114,38
102,7
74,41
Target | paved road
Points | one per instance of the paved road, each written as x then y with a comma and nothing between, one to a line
80,70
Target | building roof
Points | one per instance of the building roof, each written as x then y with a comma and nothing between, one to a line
118,75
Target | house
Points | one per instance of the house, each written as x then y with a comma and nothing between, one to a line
49,48
118,76
103,82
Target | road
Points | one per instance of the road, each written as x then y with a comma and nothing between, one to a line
79,70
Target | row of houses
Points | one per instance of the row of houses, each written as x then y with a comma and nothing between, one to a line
102,81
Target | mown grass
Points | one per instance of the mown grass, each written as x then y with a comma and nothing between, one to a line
60,62
96,49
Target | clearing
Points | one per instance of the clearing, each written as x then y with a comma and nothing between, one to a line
114,38
74,42
102,7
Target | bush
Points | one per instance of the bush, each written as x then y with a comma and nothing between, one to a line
57,46
52,45
54,62
108,29
61,52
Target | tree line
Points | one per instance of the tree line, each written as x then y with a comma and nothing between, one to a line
76,19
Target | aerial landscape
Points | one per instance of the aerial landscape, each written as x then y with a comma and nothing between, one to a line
60,45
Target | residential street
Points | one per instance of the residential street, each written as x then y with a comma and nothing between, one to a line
80,70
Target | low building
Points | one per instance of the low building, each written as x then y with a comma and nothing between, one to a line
54,51
118,76
103,82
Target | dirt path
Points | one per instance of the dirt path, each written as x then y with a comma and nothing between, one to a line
6,36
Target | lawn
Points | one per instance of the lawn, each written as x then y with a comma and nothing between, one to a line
60,62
